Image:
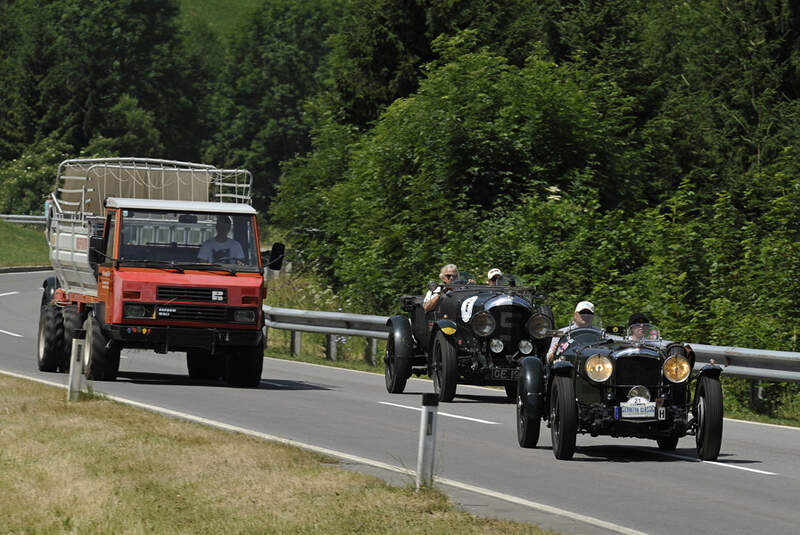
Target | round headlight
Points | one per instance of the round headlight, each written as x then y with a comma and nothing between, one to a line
483,324
677,369
525,346
538,325
599,368
496,345
639,391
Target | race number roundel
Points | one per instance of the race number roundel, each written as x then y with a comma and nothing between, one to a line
466,308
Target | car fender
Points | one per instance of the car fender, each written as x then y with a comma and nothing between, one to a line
710,370
531,384
400,331
561,367
49,285
448,327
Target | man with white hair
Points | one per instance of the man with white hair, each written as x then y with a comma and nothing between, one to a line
582,317
448,274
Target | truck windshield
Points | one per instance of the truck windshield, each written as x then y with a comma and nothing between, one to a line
187,239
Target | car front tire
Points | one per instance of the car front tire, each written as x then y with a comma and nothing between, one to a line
528,421
708,411
563,417
445,372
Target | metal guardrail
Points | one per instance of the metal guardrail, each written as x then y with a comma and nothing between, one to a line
23,219
735,361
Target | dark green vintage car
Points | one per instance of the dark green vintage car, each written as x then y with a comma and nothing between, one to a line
631,386
476,335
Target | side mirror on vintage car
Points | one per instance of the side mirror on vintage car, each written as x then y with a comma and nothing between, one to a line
96,254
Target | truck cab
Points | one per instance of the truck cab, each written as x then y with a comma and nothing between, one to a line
164,274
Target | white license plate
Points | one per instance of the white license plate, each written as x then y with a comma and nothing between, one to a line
637,410
505,373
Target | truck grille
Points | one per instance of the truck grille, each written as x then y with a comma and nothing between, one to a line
637,371
187,293
191,313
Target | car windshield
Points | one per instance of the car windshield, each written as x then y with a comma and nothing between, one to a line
643,332
586,320
189,240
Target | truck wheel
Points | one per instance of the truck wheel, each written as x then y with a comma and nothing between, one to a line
708,412
243,366
202,365
396,371
99,362
527,421
667,443
50,339
563,417
445,368
72,321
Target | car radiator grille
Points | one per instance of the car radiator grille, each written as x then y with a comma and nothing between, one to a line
186,293
510,324
192,313
637,371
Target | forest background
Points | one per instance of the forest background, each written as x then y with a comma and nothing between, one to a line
642,154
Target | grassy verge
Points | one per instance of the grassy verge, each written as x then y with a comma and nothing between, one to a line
97,466
22,245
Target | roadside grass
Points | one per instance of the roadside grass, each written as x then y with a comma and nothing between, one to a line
97,466
22,245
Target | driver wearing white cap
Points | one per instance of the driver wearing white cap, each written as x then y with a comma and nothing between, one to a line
582,317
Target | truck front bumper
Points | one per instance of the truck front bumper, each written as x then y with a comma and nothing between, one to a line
168,338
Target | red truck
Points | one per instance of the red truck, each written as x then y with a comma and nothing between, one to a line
159,255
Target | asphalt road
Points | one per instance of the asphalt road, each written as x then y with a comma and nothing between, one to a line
617,485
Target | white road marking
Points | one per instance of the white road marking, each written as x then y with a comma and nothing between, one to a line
441,413
716,463
361,460
11,334
8,293
763,423
278,385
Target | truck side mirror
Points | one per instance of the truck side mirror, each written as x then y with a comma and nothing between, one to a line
276,254
96,249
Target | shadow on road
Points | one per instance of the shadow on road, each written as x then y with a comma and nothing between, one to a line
634,454
171,379
463,398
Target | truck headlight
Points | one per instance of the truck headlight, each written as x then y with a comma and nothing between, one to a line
598,368
525,346
538,325
133,310
483,324
677,369
244,316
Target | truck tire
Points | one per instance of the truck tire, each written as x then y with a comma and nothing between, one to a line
445,368
50,349
202,365
243,367
99,362
72,321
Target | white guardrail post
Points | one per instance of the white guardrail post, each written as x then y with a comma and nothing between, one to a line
427,441
76,365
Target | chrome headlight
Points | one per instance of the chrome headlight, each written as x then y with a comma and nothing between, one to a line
525,346
496,345
677,369
538,325
483,324
639,392
598,368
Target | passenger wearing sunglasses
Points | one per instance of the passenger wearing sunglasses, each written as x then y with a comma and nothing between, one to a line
448,274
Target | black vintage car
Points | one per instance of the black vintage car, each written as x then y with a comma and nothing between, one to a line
631,386
476,335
